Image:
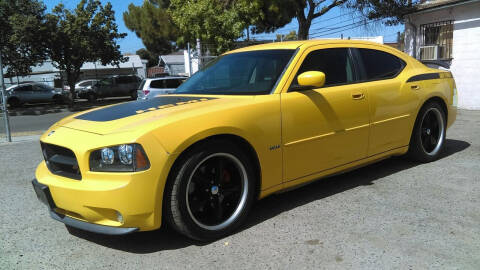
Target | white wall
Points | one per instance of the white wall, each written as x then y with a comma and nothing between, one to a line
466,48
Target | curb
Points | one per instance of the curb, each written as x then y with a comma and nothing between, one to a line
19,139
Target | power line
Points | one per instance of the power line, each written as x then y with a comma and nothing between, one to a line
353,27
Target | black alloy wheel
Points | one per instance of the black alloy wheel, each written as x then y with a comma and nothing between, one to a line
428,137
210,191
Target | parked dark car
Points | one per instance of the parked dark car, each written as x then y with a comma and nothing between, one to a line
20,94
115,86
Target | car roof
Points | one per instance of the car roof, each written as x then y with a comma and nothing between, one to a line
166,78
292,45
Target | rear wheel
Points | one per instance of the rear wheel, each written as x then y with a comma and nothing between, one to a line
58,100
91,97
133,94
210,191
428,137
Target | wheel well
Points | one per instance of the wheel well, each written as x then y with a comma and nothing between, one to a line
13,98
440,101
244,145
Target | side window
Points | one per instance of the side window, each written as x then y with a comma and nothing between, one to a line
157,84
124,80
336,63
172,83
24,88
380,65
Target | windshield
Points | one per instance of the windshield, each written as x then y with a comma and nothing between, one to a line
244,73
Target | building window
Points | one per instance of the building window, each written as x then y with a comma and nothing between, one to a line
436,41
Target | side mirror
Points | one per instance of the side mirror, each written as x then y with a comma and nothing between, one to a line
311,78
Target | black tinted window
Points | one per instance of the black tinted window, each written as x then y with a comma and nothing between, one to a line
24,88
335,63
380,65
126,79
172,83
157,84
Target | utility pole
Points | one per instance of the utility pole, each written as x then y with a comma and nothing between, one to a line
4,102
189,60
199,53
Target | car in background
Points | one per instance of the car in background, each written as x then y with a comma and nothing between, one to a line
149,88
33,92
81,86
114,86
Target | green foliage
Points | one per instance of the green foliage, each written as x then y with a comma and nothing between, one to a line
215,22
290,36
220,23
86,34
152,23
21,41
392,10
147,55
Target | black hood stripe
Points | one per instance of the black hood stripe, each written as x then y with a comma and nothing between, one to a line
137,107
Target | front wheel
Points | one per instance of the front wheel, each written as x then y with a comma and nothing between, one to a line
428,137
210,191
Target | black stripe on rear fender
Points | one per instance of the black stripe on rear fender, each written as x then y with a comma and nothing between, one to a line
422,77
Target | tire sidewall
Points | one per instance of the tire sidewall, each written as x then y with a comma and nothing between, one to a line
181,179
417,150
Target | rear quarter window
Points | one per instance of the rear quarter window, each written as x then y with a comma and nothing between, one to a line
157,84
173,83
380,65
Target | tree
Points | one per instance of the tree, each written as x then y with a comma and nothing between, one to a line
21,42
147,55
290,36
392,10
308,10
220,23
86,34
153,24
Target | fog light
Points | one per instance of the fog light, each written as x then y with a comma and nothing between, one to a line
107,156
119,217
125,153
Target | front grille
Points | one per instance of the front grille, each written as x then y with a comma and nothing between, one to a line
61,161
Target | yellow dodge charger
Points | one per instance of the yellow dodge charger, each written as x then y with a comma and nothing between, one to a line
253,122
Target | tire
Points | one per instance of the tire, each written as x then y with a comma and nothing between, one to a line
58,100
92,97
133,94
428,137
220,181
14,102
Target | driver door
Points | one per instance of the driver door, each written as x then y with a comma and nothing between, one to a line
325,127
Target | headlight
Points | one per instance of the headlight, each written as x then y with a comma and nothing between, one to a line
119,158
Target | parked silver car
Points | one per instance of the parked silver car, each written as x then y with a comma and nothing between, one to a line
149,88
33,93
114,86
82,86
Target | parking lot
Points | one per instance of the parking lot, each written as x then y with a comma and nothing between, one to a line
395,214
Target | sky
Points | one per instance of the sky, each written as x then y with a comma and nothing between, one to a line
333,24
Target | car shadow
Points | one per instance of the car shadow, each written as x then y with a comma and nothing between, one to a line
265,209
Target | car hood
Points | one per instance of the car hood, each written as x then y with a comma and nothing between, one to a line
130,116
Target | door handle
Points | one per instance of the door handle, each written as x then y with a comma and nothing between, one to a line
357,96
415,87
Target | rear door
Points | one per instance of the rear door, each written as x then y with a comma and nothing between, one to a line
41,93
390,102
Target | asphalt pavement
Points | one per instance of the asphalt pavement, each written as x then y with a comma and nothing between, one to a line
395,214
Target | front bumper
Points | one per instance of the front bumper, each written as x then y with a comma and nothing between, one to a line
44,195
